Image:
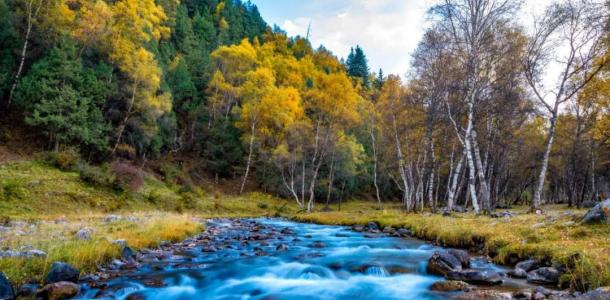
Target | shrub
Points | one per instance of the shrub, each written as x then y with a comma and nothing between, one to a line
13,189
94,175
127,177
66,160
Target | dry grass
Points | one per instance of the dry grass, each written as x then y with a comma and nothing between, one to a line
556,236
60,244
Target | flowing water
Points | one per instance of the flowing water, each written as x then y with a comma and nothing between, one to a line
317,262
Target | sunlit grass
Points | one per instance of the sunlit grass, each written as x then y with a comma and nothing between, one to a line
556,236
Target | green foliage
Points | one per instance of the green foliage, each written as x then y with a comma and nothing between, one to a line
66,160
95,175
61,98
8,42
357,65
223,148
12,189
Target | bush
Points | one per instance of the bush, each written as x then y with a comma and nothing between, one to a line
127,177
65,160
13,189
94,175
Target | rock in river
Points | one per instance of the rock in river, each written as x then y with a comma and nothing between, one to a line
483,295
546,275
523,267
62,272
6,289
599,214
59,290
443,262
485,277
449,286
462,256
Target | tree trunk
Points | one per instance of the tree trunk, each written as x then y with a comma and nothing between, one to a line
249,161
536,201
401,167
330,179
484,188
471,171
24,51
374,146
454,182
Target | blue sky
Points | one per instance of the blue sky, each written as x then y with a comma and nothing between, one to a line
387,30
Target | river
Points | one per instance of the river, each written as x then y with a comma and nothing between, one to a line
279,259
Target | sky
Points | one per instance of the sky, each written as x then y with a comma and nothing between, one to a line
387,30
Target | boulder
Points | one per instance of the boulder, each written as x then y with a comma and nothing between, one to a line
449,286
442,263
84,234
6,289
523,267
483,295
528,265
61,271
112,218
59,290
127,253
602,293
545,275
599,214
482,277
372,226
462,256
27,290
517,273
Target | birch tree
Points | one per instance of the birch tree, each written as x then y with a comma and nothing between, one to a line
568,36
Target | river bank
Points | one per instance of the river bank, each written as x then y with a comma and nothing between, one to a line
92,243
555,236
267,258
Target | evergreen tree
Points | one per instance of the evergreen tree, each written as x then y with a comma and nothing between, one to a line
357,65
8,40
59,97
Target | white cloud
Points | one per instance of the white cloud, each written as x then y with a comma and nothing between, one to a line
387,30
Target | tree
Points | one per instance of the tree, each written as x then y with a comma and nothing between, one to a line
471,27
578,26
357,65
52,14
60,99
134,24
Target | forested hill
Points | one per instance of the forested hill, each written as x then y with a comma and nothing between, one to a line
205,88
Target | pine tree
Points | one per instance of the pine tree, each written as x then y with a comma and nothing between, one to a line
357,66
59,98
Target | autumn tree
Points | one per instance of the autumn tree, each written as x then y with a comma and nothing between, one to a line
578,27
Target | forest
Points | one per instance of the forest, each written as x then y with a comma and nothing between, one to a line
180,149
209,88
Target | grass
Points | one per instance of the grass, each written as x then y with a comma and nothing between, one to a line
38,194
556,237
60,244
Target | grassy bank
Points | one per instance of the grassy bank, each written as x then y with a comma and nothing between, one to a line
556,236
36,195
43,207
